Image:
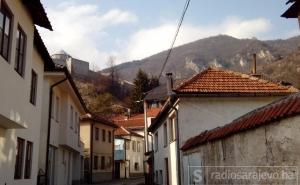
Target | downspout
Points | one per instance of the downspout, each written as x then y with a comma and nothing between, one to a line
113,155
178,151
125,159
49,127
152,172
91,152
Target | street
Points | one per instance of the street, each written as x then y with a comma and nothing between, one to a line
133,181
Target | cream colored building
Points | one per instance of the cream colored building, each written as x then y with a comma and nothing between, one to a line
22,62
64,145
210,99
129,154
97,135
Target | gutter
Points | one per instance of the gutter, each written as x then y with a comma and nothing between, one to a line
177,143
91,152
49,126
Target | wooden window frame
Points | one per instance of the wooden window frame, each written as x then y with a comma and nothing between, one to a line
97,131
102,163
20,64
96,162
33,87
5,10
19,158
28,160
103,135
109,137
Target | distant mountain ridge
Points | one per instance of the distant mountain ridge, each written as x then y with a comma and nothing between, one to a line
220,51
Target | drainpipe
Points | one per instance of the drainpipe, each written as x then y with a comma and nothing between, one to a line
178,151
91,152
49,127
113,154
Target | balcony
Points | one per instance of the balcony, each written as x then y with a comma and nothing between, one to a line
9,124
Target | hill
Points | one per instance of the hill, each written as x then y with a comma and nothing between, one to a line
222,51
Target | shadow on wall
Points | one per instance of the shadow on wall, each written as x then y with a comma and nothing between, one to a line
7,154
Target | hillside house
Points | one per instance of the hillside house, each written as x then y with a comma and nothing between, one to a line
208,100
23,58
129,154
267,136
97,135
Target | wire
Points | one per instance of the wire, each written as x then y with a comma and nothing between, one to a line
187,3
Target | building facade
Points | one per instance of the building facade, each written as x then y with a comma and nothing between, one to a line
129,154
22,63
97,135
196,105
265,140
60,131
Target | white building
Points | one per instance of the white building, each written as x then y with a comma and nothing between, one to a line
22,63
129,154
208,100
60,130
267,136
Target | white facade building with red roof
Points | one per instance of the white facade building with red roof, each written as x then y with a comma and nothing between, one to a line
206,101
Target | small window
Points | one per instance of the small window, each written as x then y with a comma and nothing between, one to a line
28,160
102,162
76,122
165,135
109,136
103,135
71,117
156,141
156,176
57,109
33,88
127,145
161,177
19,158
134,146
97,134
172,129
95,162
138,146
20,51
136,167
5,30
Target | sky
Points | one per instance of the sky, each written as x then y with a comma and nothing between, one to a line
94,30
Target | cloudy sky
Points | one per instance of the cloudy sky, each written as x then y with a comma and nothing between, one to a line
93,30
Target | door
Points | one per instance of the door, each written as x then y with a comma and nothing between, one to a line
167,171
117,170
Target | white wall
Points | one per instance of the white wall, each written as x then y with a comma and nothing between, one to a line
134,157
14,98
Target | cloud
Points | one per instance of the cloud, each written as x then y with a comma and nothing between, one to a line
79,28
149,41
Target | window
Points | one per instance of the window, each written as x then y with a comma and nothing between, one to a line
156,176
103,135
172,129
109,136
95,162
102,162
57,109
20,51
136,166
134,146
161,177
33,88
97,134
5,30
71,117
28,160
165,135
127,145
156,141
138,146
76,122
110,161
19,158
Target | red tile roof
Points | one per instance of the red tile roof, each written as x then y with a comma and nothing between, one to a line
220,81
284,108
98,119
121,131
136,121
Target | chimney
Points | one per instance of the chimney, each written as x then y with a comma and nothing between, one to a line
254,64
169,83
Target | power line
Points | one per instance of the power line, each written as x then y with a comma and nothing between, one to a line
187,3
